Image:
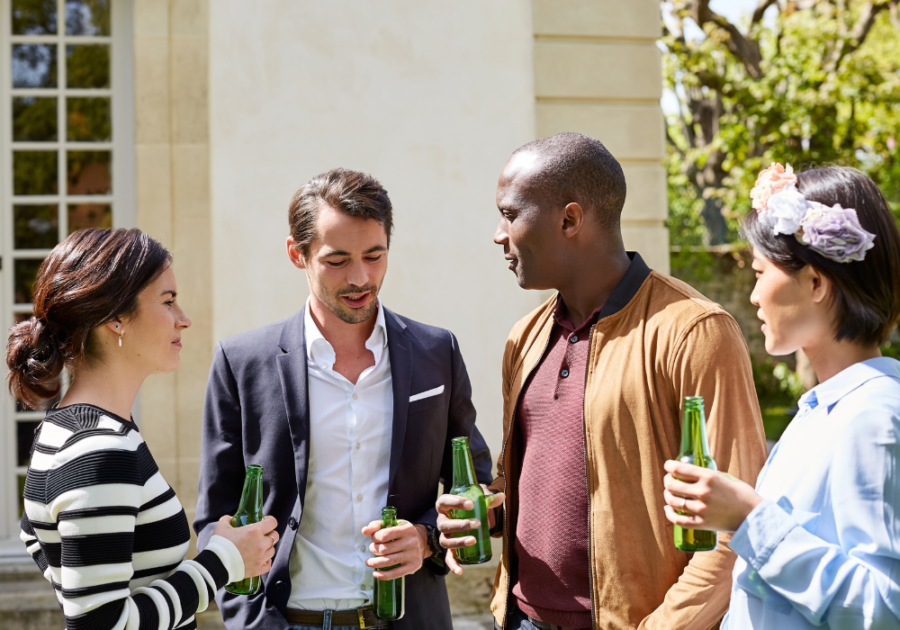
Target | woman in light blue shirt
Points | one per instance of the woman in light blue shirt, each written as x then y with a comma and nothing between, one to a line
818,540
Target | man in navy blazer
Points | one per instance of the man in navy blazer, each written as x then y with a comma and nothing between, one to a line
348,407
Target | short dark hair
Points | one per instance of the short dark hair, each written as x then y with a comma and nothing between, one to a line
352,192
866,296
92,277
578,168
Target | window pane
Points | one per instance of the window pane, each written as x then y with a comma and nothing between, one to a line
87,66
24,440
88,119
24,274
88,172
18,318
35,227
35,173
34,17
34,66
87,17
89,215
34,119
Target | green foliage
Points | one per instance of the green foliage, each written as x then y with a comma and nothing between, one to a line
824,90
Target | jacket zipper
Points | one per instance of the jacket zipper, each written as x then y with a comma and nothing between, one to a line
505,482
587,477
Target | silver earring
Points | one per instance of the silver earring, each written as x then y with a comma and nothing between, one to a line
121,334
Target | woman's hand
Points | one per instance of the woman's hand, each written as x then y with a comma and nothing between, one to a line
700,498
256,543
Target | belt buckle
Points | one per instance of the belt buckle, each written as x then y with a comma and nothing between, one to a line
362,617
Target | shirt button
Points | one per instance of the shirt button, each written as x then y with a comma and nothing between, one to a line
358,446
325,366
564,373
362,548
355,396
359,497
573,338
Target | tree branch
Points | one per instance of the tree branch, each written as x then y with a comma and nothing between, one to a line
857,35
744,48
681,152
760,11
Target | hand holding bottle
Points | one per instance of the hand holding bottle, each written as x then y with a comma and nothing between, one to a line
449,526
256,543
701,498
405,545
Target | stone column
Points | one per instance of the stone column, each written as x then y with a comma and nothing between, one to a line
598,72
173,205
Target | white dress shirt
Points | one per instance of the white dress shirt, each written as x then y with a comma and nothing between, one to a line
347,485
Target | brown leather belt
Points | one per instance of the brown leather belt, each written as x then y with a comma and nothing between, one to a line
359,618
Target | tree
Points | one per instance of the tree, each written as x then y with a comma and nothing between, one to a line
802,82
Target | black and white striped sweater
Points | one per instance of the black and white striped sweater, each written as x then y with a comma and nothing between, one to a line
109,533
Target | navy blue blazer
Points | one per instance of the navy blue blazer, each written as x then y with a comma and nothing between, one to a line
257,412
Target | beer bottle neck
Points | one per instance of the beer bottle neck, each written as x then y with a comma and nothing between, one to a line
463,467
693,433
251,497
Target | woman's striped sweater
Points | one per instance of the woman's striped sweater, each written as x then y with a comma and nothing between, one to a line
109,533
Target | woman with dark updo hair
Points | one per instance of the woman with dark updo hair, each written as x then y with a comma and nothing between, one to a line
818,540
100,521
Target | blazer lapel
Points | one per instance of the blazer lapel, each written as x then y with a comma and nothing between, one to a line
400,351
294,389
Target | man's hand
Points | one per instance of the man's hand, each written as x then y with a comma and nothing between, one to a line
406,545
448,526
700,498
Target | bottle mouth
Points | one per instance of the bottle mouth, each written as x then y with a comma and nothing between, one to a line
254,469
693,401
459,442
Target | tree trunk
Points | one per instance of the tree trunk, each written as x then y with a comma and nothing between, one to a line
715,223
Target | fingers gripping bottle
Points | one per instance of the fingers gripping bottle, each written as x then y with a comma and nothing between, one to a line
249,511
465,484
695,450
389,596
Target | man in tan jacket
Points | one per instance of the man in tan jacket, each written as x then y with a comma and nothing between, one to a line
593,382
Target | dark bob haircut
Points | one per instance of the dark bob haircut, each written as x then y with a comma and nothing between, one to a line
866,297
92,277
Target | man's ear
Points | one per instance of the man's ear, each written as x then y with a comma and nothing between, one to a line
295,254
573,219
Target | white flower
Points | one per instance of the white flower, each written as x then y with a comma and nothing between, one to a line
786,210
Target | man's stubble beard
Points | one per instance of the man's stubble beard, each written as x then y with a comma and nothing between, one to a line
350,315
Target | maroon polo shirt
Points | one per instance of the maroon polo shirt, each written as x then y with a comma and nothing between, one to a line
552,531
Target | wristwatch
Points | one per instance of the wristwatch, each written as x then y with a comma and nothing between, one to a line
433,536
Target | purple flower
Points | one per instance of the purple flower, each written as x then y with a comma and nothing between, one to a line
835,233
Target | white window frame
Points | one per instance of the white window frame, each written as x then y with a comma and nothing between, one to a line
121,93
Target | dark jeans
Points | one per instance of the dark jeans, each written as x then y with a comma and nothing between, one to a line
517,620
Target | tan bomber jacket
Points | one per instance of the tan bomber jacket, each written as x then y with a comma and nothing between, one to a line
657,341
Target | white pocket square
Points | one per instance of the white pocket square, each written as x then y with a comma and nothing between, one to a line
431,392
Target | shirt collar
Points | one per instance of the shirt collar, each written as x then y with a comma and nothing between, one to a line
847,380
319,351
561,315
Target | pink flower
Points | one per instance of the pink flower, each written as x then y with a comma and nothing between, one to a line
770,181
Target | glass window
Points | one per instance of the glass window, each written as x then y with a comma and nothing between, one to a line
24,441
24,274
34,66
87,17
36,227
34,119
88,119
35,173
87,66
88,172
89,215
34,17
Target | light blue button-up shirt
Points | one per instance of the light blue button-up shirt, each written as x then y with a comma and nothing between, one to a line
823,549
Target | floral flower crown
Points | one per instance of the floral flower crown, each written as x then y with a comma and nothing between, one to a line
835,233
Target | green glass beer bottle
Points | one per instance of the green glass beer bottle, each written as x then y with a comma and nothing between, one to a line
465,484
389,594
695,450
249,511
